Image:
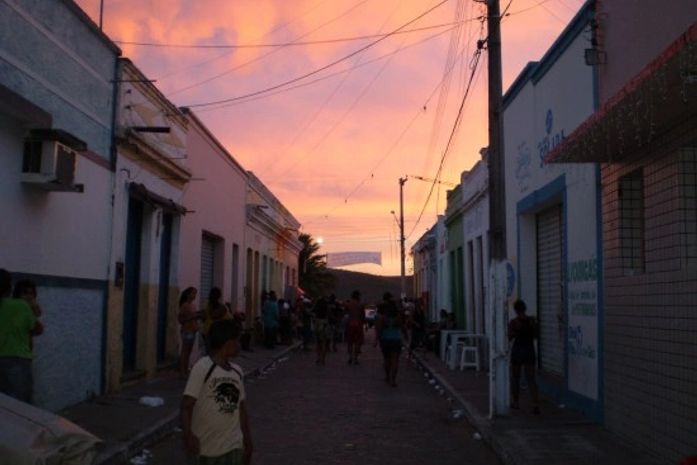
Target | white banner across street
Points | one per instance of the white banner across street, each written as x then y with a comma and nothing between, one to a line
353,258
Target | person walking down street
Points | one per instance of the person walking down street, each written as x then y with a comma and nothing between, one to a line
213,410
322,330
523,331
356,313
335,315
305,316
270,314
285,327
390,328
18,324
188,319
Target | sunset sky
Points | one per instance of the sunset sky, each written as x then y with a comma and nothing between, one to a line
333,150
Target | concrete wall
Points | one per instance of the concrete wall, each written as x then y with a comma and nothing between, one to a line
546,104
216,199
51,57
634,32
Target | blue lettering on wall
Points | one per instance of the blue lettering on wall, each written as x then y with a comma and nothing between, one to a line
550,140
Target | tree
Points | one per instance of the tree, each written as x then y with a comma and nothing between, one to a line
314,277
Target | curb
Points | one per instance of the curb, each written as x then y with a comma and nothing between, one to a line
124,451
481,424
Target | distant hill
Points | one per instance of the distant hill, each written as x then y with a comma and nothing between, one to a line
371,286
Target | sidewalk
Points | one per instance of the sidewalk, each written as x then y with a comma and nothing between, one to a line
557,437
126,426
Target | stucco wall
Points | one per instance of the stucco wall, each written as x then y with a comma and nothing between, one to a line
216,199
51,58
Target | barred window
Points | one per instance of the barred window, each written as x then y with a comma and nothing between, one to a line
631,204
688,202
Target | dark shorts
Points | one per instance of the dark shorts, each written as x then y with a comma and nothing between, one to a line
391,346
234,457
16,379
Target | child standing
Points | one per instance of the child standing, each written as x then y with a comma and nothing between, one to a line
213,411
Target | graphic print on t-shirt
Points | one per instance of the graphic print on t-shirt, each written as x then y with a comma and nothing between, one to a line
226,394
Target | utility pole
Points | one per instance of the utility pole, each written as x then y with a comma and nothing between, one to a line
498,311
402,254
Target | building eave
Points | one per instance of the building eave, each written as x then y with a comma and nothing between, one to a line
646,113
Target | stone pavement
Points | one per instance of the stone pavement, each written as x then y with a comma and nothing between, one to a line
126,426
340,414
557,437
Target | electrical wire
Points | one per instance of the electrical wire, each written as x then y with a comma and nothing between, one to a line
283,44
271,52
456,125
325,77
223,55
395,144
355,102
326,101
319,70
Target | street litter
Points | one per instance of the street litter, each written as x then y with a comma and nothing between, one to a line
477,436
562,405
142,458
432,381
457,414
152,401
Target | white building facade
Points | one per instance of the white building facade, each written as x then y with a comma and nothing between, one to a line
57,87
553,235
149,183
475,213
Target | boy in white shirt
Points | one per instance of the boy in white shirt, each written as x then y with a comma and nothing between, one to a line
213,410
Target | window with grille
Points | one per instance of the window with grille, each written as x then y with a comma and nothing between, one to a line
688,202
631,205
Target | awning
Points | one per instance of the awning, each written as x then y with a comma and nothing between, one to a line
141,192
59,135
658,108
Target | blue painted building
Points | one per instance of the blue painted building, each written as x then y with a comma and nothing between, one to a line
57,88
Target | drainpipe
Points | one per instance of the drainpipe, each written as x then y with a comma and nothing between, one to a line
110,245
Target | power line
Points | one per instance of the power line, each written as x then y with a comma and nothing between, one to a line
267,33
403,133
360,96
319,70
336,89
325,77
271,52
456,125
284,44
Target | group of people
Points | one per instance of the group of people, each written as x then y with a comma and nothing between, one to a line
19,324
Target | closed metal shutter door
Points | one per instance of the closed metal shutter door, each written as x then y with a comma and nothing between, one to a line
207,254
549,290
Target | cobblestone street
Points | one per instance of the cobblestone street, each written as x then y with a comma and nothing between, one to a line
340,414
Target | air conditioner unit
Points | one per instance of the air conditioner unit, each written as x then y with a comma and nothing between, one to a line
50,165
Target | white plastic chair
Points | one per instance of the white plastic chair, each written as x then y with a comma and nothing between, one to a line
469,354
453,350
